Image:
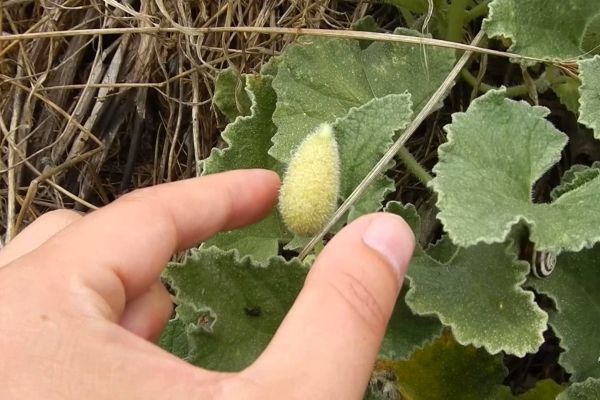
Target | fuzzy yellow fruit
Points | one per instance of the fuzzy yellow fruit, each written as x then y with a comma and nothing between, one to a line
311,183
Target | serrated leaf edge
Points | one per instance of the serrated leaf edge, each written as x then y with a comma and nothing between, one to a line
542,113
582,103
216,152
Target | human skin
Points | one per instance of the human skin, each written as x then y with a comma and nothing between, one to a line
81,304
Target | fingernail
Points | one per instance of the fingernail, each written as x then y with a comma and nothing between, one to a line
387,234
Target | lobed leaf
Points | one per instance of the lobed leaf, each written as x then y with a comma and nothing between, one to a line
477,292
575,288
537,28
240,302
248,139
495,152
321,79
589,72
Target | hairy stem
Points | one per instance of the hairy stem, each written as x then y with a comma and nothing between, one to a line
413,165
513,91
456,19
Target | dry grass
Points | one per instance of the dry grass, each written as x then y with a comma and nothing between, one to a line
86,118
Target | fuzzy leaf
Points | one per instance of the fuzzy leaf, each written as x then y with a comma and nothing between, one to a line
575,288
587,390
590,94
576,176
441,369
537,28
477,293
230,95
242,301
495,152
366,133
370,201
249,139
174,338
568,94
321,79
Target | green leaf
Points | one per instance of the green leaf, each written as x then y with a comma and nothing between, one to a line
407,331
371,199
495,152
249,139
568,94
587,390
575,177
589,72
443,250
478,293
321,79
230,94
174,338
446,370
575,288
365,24
537,28
543,390
591,38
366,133
242,302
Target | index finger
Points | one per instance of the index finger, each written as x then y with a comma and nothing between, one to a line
121,249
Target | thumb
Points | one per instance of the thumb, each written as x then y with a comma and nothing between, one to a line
328,343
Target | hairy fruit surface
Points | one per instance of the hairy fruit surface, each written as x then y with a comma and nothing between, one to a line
311,184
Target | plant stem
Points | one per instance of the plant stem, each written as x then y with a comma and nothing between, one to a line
456,17
513,91
414,166
478,11
407,16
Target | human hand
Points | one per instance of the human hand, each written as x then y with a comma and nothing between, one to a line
81,304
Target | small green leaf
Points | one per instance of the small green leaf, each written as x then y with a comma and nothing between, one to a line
242,302
366,133
478,293
495,152
587,390
575,177
366,24
321,79
230,94
575,288
589,72
537,28
446,370
568,94
249,139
